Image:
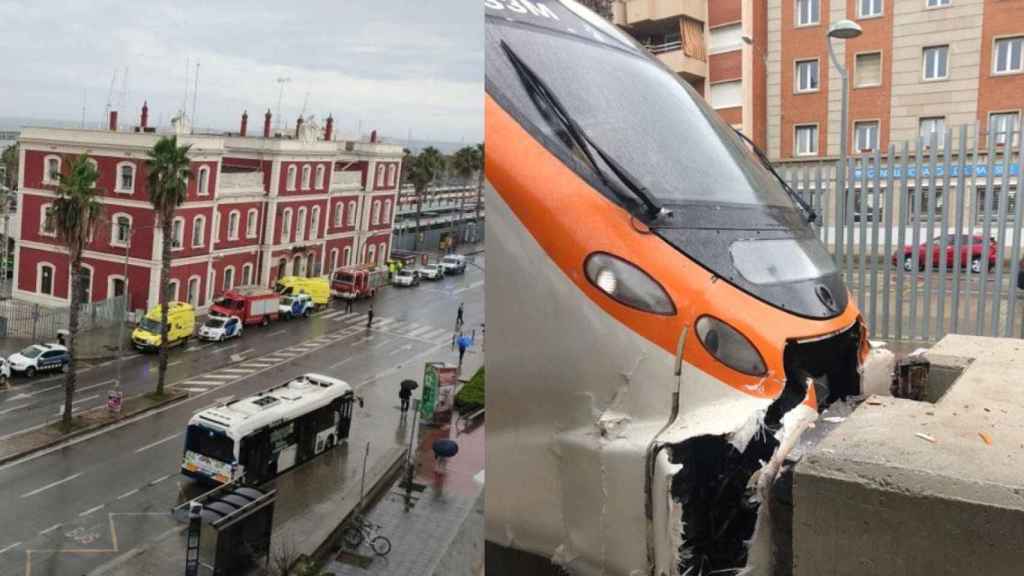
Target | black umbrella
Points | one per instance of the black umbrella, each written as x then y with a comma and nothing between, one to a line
445,448
409,385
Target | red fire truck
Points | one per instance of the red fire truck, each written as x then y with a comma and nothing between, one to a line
253,304
354,282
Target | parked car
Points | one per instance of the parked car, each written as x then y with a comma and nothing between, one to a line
976,244
220,328
40,358
295,306
431,271
406,277
454,264
181,317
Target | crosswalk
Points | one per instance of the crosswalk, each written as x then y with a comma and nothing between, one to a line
351,324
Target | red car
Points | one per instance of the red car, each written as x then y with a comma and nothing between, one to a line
967,242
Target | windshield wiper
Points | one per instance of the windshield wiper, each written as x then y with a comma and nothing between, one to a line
811,214
534,83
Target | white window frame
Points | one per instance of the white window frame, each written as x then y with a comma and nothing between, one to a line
937,3
119,188
382,250
351,213
48,175
300,225
796,76
391,174
878,14
234,220
86,298
293,174
877,125
252,223
314,223
856,68
1016,126
346,255
199,221
114,229
211,284
1009,55
181,241
371,254
42,221
175,289
375,211
246,274
796,139
188,289
286,226
334,259
307,173
941,134
203,181
227,274
39,278
320,176
386,212
797,13
380,175
110,284
924,63
339,214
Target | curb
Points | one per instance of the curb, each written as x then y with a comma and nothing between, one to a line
93,428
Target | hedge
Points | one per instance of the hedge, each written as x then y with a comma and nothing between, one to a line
471,397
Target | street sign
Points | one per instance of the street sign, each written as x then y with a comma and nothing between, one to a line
430,383
438,396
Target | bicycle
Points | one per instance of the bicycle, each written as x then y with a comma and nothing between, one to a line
362,530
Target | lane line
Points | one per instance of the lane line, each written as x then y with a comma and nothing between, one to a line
93,397
13,408
91,510
127,494
256,365
159,480
420,330
278,332
15,545
235,371
382,342
191,389
336,364
203,383
386,322
175,363
158,442
91,386
51,485
51,528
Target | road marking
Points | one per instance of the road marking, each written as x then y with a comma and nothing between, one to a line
91,386
402,349
13,408
191,389
257,365
94,396
386,322
331,314
51,528
127,494
15,545
278,332
91,510
381,343
220,376
235,371
420,330
355,319
175,363
435,333
33,393
51,485
196,348
336,364
159,480
203,383
158,442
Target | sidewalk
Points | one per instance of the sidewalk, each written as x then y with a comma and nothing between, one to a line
97,344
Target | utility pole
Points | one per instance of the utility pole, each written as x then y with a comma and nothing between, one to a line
280,95
410,461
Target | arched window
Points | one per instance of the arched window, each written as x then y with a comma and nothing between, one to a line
177,231
125,177
246,274
286,226
300,225
382,250
120,229
306,171
375,219
346,256
371,254
198,231
229,278
85,279
292,171
334,259
380,176
320,176
51,173
251,221
314,223
339,214
311,265
211,284
115,286
203,180
297,265
282,268
386,214
391,174
233,218
44,278
215,228
47,227
173,284
351,213
193,290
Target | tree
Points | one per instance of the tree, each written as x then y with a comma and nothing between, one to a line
9,162
467,161
169,172
423,169
74,215
479,185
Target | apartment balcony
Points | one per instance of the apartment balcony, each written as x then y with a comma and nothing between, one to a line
633,12
673,56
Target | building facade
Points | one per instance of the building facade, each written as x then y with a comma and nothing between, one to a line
257,208
919,67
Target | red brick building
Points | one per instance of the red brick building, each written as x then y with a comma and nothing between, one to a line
258,207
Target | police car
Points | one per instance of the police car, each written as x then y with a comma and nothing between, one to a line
406,277
40,357
295,306
220,328
432,272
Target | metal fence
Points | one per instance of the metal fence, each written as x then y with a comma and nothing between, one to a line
954,197
28,320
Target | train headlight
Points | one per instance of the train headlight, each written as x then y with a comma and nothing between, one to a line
627,284
729,347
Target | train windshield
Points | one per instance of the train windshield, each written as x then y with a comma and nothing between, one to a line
644,117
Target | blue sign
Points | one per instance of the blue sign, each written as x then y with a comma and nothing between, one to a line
940,171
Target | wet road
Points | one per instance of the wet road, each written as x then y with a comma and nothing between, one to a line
72,508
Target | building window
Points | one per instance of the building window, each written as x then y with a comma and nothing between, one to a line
868,70
339,214
251,221
807,140
334,259
1008,53
173,285
229,278
246,274
203,181
46,279
193,291
233,218
126,177
198,226
380,176
808,12
177,230
375,219
371,254
300,226
865,136
869,8
387,212
120,229
85,281
391,174
931,126
320,176
726,94
52,173
1002,124
47,227
297,266
807,76
382,250
115,286
936,63
306,172
938,3
292,172
351,213
314,223
346,256
286,226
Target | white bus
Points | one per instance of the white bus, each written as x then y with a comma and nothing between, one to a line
263,435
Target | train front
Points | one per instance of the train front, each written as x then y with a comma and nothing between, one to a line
659,305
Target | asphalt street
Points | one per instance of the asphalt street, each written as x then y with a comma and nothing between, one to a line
73,507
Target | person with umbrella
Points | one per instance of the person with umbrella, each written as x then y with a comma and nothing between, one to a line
464,343
405,392
444,448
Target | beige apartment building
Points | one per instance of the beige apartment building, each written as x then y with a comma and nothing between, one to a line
920,66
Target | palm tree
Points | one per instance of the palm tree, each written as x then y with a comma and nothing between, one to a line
74,215
423,169
169,172
9,161
466,161
479,184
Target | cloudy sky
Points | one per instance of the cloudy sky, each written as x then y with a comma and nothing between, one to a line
393,65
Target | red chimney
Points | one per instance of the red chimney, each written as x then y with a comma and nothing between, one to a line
113,121
329,130
298,126
245,123
145,115
266,124
373,136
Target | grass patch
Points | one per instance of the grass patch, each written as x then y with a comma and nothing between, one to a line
471,397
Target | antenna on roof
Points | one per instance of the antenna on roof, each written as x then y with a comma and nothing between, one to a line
305,102
195,94
122,105
184,99
110,97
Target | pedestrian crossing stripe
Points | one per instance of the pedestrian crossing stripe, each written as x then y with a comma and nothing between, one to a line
347,316
420,330
203,383
436,333
332,314
235,371
186,389
385,322
216,376
255,365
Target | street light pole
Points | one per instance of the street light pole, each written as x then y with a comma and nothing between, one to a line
843,30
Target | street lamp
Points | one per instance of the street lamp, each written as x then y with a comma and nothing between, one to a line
127,298
842,30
